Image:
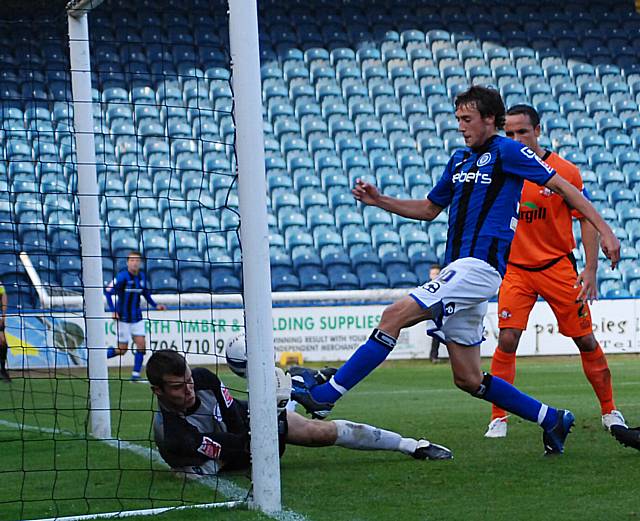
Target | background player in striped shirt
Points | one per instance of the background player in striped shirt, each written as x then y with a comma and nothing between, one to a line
4,347
128,287
541,262
481,185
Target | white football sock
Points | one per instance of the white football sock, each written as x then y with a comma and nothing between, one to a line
360,436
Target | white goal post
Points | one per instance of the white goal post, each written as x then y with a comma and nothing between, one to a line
243,39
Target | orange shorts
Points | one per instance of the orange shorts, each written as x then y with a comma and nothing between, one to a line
520,290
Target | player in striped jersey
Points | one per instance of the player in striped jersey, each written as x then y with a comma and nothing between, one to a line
128,287
481,185
542,263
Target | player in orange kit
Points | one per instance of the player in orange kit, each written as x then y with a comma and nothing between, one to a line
541,263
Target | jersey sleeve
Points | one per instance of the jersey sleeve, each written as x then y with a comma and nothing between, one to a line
442,193
576,180
112,289
520,161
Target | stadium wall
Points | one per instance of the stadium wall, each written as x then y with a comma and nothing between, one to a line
321,332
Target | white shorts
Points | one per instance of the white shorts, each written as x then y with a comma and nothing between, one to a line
462,290
127,330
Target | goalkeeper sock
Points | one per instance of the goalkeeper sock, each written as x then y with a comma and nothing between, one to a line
111,352
503,365
360,436
137,362
506,396
366,358
596,369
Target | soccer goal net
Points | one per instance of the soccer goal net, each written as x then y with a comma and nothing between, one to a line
129,140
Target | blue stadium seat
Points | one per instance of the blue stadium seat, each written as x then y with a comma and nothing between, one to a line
400,278
359,93
284,282
314,282
343,281
373,280
326,237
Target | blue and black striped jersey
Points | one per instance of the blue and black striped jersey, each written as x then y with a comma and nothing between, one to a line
482,190
128,289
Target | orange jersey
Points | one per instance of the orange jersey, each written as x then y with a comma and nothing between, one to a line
545,229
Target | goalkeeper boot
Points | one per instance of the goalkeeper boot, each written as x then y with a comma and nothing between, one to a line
303,380
555,437
428,450
613,418
626,436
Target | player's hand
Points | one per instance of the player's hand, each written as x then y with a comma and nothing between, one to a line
366,193
587,284
116,316
610,247
161,307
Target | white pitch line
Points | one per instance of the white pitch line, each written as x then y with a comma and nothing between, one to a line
227,488
143,512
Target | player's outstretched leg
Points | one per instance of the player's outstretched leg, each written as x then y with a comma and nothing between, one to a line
303,379
465,364
556,423
359,436
368,356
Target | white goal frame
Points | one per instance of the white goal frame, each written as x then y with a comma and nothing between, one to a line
252,195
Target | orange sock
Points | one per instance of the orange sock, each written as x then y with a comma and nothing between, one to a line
596,369
503,365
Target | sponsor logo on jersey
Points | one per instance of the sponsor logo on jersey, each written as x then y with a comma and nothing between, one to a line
527,152
505,314
546,192
210,448
228,399
484,159
449,309
483,178
530,212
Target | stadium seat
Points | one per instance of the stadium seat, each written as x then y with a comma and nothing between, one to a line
362,92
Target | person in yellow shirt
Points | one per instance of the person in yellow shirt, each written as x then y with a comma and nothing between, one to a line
4,347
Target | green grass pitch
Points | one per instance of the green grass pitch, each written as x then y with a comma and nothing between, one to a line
505,479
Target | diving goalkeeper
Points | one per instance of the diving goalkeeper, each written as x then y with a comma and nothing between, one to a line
200,428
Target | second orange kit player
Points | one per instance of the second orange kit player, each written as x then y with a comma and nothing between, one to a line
541,263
